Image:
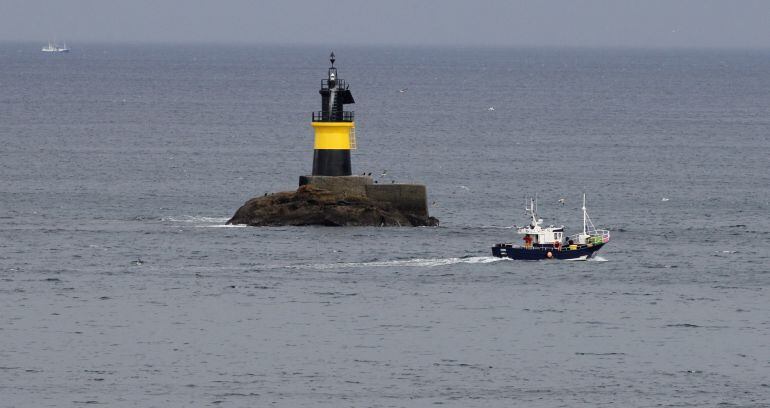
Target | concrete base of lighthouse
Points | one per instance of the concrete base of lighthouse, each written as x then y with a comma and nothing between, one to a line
351,185
407,198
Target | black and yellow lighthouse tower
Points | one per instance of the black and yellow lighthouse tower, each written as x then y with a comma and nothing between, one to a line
334,127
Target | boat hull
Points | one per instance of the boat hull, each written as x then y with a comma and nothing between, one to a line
538,253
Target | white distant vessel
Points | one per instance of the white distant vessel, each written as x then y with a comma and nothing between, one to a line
54,47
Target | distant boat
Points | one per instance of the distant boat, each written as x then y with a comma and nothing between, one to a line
53,47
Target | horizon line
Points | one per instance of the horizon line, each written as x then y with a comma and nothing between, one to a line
402,45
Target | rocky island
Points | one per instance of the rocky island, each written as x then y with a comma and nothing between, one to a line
310,205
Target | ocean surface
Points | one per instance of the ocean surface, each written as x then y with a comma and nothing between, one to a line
121,285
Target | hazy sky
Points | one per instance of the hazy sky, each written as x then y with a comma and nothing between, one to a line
593,23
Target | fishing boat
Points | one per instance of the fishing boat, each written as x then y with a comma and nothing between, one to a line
551,243
54,47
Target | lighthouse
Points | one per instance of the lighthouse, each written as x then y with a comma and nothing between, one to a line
334,127
331,195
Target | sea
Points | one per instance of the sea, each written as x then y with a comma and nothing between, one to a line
122,286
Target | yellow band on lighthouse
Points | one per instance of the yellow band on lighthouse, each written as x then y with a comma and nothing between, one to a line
332,135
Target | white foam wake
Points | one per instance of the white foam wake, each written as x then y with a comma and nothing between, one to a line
417,262
597,258
196,219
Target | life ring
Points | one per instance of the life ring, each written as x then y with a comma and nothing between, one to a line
549,255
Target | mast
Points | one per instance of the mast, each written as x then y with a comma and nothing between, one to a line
532,209
584,213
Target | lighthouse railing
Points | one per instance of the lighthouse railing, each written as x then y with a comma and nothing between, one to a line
340,84
320,116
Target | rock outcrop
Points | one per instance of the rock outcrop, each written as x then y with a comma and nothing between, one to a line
310,205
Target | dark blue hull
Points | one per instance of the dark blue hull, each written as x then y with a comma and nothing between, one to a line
538,253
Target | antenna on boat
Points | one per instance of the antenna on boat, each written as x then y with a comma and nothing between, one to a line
527,204
584,213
